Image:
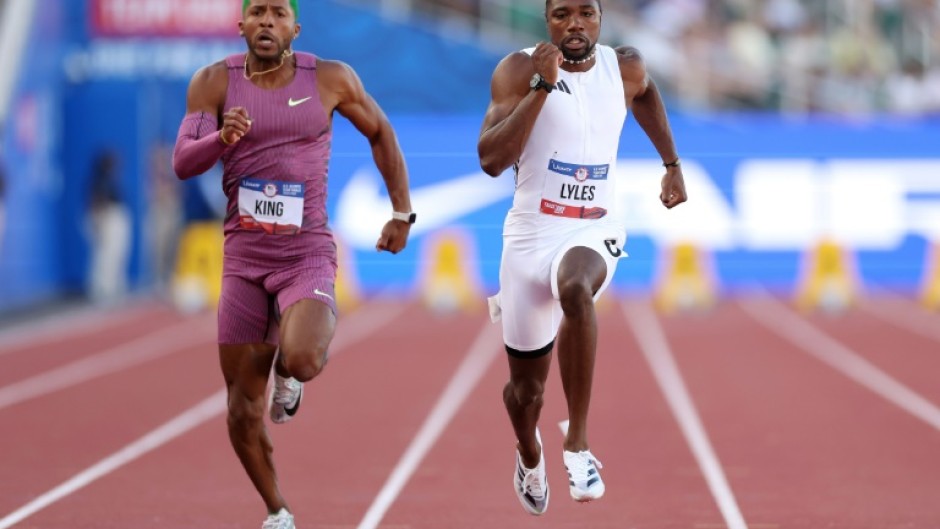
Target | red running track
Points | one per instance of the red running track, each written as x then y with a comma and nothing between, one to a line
752,415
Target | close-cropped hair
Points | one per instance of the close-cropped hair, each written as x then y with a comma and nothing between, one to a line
600,6
293,5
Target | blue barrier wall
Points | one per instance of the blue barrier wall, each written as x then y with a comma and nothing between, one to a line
128,95
763,187
31,258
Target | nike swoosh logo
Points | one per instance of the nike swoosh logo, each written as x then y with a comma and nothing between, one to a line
292,103
362,208
319,292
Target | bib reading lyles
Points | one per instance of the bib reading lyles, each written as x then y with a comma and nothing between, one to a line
272,206
575,190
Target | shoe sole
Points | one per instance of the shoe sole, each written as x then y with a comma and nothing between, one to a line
586,497
288,412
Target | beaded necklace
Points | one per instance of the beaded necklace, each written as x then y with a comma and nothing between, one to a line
581,61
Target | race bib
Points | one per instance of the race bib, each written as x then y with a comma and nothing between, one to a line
575,191
272,206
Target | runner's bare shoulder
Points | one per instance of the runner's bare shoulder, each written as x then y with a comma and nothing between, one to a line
338,84
208,87
632,65
516,66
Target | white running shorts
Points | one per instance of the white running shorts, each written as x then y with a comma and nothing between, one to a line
527,302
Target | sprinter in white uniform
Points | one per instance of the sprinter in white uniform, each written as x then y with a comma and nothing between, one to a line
556,115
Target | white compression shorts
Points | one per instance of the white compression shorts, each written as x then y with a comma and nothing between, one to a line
527,302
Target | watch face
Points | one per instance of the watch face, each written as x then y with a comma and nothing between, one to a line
535,80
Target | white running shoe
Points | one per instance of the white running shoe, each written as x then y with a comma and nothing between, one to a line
281,520
584,479
285,398
532,484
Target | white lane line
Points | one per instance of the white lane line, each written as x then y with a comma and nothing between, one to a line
202,412
61,325
149,347
773,315
188,333
564,427
468,374
655,347
363,322
901,315
372,318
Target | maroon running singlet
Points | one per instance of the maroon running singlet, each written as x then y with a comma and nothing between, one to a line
277,241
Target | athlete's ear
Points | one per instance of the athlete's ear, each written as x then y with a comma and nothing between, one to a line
241,28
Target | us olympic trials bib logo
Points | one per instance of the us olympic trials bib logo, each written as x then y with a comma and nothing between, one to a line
580,190
273,206
581,174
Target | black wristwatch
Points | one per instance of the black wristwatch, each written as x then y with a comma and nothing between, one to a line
410,218
538,81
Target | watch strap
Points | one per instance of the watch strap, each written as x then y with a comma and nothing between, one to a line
544,85
408,217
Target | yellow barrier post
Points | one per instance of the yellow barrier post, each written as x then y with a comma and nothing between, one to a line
686,281
197,281
348,293
930,286
449,278
828,279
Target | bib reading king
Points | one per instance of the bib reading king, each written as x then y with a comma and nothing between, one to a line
272,206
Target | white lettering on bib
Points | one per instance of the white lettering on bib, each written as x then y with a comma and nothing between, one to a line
269,205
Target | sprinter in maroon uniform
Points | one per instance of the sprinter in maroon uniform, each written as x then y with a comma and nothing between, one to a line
267,114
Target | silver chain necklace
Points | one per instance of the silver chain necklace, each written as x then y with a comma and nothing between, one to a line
581,61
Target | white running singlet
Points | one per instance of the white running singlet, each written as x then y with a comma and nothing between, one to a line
564,197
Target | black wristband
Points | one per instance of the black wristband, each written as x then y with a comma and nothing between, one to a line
676,163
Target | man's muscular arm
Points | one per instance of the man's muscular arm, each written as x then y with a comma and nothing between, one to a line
198,143
342,90
511,114
650,112
514,106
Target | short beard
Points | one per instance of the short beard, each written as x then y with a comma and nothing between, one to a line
274,57
585,53
268,56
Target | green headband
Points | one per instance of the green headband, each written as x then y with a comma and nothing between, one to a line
293,5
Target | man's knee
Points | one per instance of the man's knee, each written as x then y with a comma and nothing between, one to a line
305,363
525,392
575,296
245,412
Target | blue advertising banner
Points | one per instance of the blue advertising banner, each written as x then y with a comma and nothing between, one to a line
31,258
763,189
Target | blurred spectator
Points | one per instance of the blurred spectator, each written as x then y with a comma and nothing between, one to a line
914,91
165,214
750,61
838,56
802,64
464,7
110,226
3,202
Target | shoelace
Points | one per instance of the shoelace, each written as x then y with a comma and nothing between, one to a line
282,520
285,390
532,484
582,463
